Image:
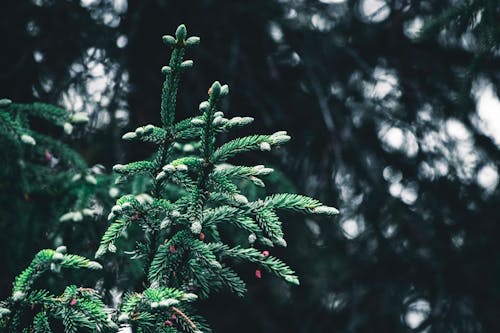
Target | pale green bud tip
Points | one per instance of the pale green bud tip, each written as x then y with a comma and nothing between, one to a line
189,297
149,128
119,168
218,121
68,128
252,238
27,139
224,90
112,248
5,102
181,167
280,137
196,227
4,312
139,131
79,117
18,295
168,302
197,121
181,32
66,217
55,267
292,279
216,264
165,223
188,148
111,216
204,106
187,64
175,213
246,120
215,88
144,198
168,168
326,210
265,146
257,181
57,256
160,175
154,305
240,198
76,177
61,249
100,251
88,212
129,136
116,209
94,265
77,216
281,242
126,205
166,69
192,41
169,40
113,192
91,179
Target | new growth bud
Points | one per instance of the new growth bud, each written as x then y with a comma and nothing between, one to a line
27,139
197,121
181,33
196,227
129,136
169,40
192,41
240,198
187,64
265,146
204,106
79,117
325,210
5,102
252,238
68,128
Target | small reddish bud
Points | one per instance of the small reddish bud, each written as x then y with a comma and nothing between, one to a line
135,217
209,91
48,155
202,236
265,253
73,302
173,316
168,323
172,249
258,274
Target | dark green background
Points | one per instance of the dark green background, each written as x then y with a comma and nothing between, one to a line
434,248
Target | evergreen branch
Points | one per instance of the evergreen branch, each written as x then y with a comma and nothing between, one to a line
272,264
172,73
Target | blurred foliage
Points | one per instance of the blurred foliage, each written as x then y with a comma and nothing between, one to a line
395,125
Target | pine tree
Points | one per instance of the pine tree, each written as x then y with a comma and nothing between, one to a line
192,200
191,216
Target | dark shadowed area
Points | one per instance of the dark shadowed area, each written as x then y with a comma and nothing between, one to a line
394,112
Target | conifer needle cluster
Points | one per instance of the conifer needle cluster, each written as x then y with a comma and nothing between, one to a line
194,197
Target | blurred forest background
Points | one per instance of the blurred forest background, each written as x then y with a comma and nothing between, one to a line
394,114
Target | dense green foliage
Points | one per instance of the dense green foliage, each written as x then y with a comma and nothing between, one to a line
392,124
192,195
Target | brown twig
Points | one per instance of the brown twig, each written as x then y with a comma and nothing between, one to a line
183,315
